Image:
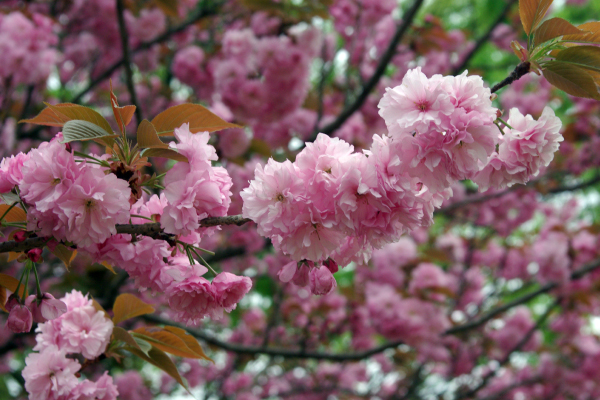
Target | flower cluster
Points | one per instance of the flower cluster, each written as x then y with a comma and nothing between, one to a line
194,190
49,373
442,127
26,48
526,147
333,203
72,201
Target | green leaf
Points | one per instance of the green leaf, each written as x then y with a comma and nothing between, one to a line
83,130
128,306
199,118
587,57
165,153
571,79
553,28
532,12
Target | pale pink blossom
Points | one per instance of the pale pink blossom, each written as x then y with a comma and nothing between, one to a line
48,174
194,146
93,205
86,331
102,389
50,374
11,172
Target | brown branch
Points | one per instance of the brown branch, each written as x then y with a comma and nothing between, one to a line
578,274
127,60
484,381
520,71
484,38
379,72
485,197
204,11
239,349
152,230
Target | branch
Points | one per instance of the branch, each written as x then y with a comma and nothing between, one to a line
578,274
484,38
379,71
506,358
203,11
127,60
485,197
153,230
236,348
520,70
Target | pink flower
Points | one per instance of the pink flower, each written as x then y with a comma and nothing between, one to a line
229,289
197,194
531,143
47,175
19,319
76,299
194,146
419,104
11,172
86,331
274,198
193,299
46,308
93,205
131,386
321,280
102,389
50,374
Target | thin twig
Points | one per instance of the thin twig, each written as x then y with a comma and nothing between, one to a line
484,38
484,381
239,349
575,275
520,71
379,72
153,230
127,60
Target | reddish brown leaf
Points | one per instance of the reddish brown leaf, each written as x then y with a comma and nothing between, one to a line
147,137
553,28
128,306
199,118
532,12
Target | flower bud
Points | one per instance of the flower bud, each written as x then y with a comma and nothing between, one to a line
301,275
45,308
12,301
20,236
331,265
20,319
35,255
321,281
